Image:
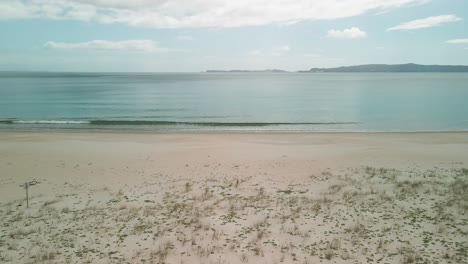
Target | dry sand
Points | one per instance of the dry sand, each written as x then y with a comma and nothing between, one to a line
234,198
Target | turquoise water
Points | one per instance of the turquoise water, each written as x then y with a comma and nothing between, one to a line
236,101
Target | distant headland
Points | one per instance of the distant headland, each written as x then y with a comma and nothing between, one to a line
234,71
408,67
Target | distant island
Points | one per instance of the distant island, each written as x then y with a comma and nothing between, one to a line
408,67
234,71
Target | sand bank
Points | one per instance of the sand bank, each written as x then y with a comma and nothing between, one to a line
234,198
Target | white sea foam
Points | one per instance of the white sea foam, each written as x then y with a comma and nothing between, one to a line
49,122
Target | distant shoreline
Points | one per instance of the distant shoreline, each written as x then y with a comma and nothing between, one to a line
365,68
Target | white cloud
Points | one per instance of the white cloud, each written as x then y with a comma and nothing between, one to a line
458,41
426,22
195,13
126,45
349,33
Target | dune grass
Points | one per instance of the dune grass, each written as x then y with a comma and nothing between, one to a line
363,215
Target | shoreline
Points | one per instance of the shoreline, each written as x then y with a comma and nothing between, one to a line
24,153
214,132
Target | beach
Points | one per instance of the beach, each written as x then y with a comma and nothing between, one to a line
208,197
232,132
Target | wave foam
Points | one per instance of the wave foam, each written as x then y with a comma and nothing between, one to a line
48,122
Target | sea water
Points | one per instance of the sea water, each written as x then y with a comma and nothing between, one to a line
235,101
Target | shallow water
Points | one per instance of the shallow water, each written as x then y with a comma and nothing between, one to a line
236,101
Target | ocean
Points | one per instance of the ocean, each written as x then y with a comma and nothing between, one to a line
344,102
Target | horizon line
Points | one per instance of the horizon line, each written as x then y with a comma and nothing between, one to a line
268,70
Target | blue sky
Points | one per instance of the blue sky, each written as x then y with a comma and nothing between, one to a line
192,36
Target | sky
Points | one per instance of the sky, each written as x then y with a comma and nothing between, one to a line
198,35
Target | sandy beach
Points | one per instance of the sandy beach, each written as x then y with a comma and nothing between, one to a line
121,197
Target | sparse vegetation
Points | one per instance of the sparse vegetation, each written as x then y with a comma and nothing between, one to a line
362,215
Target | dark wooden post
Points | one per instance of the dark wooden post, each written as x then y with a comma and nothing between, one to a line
26,186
